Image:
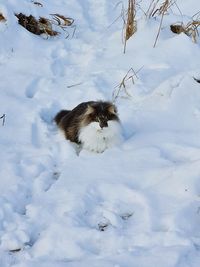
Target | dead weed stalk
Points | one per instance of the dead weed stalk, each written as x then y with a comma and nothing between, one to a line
151,9
63,22
162,10
122,86
190,29
130,24
159,9
128,17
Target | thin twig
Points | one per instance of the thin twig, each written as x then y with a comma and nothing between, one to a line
163,9
3,117
122,85
159,29
73,85
151,9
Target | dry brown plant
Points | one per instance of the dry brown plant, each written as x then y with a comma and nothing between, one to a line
190,29
61,20
45,25
64,23
128,17
152,7
162,10
38,27
122,86
130,24
155,8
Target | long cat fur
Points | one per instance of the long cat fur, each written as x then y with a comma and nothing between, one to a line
93,124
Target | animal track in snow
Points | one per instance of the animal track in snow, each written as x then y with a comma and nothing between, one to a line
32,88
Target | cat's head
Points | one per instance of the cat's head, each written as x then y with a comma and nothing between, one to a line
101,113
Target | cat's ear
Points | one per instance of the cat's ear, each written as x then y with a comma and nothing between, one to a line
112,109
89,110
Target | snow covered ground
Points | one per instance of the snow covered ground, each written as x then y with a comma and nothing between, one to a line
135,205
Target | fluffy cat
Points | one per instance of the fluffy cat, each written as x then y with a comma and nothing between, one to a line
94,125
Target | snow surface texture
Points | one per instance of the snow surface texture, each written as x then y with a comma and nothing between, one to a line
135,205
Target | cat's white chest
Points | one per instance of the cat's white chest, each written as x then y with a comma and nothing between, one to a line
93,138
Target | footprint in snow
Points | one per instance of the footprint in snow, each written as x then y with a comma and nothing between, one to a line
32,88
38,84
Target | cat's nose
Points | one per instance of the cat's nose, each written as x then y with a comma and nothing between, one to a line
103,124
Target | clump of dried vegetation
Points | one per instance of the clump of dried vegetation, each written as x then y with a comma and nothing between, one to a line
130,24
121,88
190,29
128,17
156,8
45,25
160,9
2,18
38,27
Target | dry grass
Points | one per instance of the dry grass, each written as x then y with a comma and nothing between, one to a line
155,9
44,25
152,7
130,24
38,27
2,18
162,10
191,29
122,86
128,17
64,23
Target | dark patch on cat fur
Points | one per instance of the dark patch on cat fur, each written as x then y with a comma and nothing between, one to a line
71,121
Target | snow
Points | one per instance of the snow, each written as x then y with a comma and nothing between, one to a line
136,204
